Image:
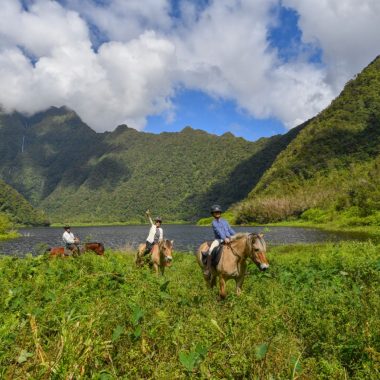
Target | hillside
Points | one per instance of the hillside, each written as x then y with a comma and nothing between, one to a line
76,175
17,209
331,170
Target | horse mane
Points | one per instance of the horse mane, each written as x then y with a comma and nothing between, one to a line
239,236
165,241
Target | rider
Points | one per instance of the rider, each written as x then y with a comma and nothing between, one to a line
71,242
222,233
156,233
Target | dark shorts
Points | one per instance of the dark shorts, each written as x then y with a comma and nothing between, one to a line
149,246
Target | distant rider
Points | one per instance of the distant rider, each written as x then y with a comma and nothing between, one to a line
71,242
222,233
156,233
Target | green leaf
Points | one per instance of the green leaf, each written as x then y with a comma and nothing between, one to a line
137,314
164,286
188,360
261,350
216,325
296,365
201,350
23,357
117,333
137,332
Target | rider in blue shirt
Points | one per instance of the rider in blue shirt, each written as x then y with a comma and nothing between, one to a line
222,233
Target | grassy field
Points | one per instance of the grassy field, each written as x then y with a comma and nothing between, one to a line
314,315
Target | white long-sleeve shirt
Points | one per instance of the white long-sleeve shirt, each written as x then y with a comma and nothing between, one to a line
152,232
68,237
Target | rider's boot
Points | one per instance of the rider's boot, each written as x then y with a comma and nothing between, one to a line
207,269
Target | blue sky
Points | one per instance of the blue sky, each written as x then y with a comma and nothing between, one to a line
250,67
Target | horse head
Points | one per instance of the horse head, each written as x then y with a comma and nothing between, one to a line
166,249
257,251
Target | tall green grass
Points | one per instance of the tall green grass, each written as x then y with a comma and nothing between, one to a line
315,314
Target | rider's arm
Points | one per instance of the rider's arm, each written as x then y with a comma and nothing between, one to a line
230,230
147,213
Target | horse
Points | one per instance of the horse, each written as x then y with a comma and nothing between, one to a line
161,255
233,260
97,248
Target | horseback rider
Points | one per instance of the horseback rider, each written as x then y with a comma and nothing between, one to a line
71,242
222,233
156,233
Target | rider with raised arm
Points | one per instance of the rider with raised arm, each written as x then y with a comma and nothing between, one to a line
71,242
156,233
222,233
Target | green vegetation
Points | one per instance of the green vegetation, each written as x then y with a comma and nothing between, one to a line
314,314
330,173
76,175
325,171
6,228
17,209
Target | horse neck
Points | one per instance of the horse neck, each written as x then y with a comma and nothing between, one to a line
240,247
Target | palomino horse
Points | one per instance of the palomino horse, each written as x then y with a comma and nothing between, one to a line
161,255
98,248
233,260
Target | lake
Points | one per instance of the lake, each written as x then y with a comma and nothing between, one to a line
186,237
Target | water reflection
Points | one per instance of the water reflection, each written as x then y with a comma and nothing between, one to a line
186,237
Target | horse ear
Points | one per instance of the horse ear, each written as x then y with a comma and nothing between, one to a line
172,241
261,235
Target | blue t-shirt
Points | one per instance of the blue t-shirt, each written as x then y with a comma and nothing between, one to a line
222,229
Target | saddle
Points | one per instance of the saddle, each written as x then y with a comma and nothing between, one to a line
215,255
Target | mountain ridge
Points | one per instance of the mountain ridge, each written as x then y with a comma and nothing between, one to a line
76,174
322,172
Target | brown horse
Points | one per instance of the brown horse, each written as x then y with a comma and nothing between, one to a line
161,255
97,248
233,260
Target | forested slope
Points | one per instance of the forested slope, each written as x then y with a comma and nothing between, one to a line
77,175
17,209
331,170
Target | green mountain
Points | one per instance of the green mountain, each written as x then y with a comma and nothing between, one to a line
17,209
331,170
76,175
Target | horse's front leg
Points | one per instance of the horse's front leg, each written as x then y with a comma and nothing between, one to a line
139,258
239,284
222,287
155,267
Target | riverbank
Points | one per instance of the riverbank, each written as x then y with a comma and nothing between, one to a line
315,314
372,232
9,235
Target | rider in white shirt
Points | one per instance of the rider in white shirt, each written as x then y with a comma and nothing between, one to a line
71,242
156,233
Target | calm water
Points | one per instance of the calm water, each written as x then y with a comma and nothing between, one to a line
186,237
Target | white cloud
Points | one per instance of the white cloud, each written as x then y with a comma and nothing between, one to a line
121,83
347,31
47,58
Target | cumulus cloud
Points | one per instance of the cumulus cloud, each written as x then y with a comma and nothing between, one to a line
346,30
121,82
121,61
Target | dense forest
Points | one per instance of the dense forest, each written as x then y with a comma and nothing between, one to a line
15,210
331,170
76,175
324,170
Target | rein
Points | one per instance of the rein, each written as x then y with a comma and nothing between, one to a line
239,258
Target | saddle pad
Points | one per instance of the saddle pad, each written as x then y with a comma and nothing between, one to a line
215,256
